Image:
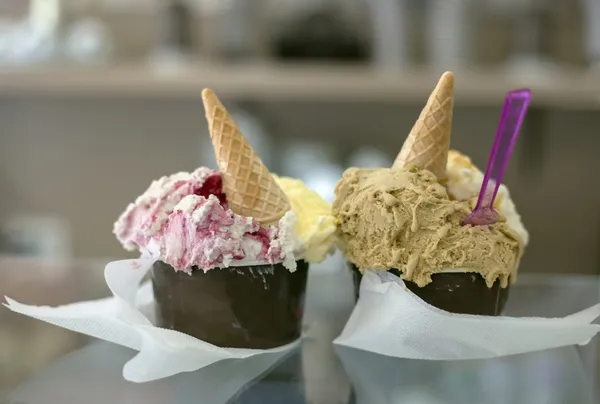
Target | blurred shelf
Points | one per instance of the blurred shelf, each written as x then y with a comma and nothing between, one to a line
564,89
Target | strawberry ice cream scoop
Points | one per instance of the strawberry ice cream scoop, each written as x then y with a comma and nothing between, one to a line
147,216
184,221
201,232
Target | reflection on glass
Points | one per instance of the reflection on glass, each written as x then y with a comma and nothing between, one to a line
515,379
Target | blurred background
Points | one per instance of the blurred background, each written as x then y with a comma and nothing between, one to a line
99,97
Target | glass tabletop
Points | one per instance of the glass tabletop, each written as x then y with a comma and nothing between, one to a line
93,375
319,372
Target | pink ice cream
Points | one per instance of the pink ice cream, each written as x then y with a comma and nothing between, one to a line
184,221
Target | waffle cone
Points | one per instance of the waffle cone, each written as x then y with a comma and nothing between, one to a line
250,188
426,146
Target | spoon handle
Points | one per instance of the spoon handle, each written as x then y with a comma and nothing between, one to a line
511,120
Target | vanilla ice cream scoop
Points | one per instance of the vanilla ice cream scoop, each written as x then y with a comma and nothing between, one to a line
464,181
315,227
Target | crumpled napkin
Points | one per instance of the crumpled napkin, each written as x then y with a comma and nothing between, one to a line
121,320
390,320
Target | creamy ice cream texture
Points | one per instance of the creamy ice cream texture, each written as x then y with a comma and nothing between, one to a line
463,183
197,220
315,226
410,216
392,218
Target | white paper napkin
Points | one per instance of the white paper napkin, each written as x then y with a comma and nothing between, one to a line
121,320
390,320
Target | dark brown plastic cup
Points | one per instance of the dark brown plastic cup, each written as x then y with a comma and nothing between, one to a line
257,306
461,293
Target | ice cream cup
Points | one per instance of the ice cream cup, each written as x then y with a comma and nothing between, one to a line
253,306
454,291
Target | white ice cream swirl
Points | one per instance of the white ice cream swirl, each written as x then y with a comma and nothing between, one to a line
464,182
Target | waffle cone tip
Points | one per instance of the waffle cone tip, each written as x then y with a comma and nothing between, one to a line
249,186
211,102
427,145
447,80
210,98
207,93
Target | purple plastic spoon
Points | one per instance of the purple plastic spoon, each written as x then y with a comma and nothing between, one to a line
511,120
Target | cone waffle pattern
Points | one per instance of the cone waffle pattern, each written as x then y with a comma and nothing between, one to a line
250,188
427,144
